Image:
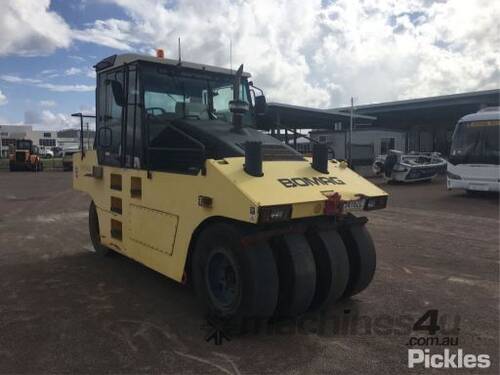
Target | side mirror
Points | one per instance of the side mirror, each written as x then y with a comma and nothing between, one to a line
104,137
118,92
260,105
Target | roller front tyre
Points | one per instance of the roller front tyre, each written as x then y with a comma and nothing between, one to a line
332,267
362,258
297,274
232,280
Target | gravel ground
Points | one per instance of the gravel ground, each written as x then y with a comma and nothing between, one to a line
63,310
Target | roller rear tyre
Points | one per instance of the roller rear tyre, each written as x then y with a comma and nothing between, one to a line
297,274
362,258
332,267
233,281
99,248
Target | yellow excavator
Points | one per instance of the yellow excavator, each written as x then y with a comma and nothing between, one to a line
182,181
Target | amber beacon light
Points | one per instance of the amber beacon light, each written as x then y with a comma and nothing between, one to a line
160,53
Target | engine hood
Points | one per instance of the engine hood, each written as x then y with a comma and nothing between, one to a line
292,182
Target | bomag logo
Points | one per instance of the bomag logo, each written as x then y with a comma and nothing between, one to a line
310,181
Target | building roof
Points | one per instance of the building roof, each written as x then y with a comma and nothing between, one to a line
357,129
434,110
16,127
489,96
279,115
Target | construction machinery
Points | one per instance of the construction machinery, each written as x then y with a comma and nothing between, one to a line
24,157
182,181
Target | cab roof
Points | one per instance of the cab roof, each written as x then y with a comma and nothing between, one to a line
127,58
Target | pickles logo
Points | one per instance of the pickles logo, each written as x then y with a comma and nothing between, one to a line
310,181
449,359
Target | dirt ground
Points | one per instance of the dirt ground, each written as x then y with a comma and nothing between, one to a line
64,310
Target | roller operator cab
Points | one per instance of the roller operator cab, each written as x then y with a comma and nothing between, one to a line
182,181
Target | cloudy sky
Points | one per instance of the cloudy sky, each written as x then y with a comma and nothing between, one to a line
312,53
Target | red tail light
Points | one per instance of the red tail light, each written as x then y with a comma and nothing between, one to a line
333,205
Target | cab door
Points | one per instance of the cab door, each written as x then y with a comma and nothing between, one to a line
109,141
150,229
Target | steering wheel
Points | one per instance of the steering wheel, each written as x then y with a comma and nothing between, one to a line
150,111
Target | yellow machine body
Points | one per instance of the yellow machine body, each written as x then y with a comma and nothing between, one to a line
152,216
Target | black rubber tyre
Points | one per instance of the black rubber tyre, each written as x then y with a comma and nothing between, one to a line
233,281
362,258
100,249
332,267
297,274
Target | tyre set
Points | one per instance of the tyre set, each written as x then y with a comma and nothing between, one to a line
284,276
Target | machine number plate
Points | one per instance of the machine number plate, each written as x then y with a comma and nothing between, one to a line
356,205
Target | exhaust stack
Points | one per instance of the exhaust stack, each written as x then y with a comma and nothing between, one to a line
320,157
253,159
237,106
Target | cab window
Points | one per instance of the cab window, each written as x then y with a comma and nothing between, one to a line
110,118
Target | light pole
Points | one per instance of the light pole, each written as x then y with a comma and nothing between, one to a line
351,120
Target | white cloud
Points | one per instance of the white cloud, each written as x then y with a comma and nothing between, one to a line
47,85
112,33
28,28
72,71
316,53
321,53
48,71
16,79
3,98
404,49
77,58
49,120
47,103
90,73
66,88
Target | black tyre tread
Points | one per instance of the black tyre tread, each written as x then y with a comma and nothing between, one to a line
332,267
259,261
297,274
362,258
257,269
100,249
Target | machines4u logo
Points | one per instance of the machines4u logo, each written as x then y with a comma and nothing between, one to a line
310,181
451,356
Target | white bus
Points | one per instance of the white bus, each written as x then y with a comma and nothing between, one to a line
475,152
